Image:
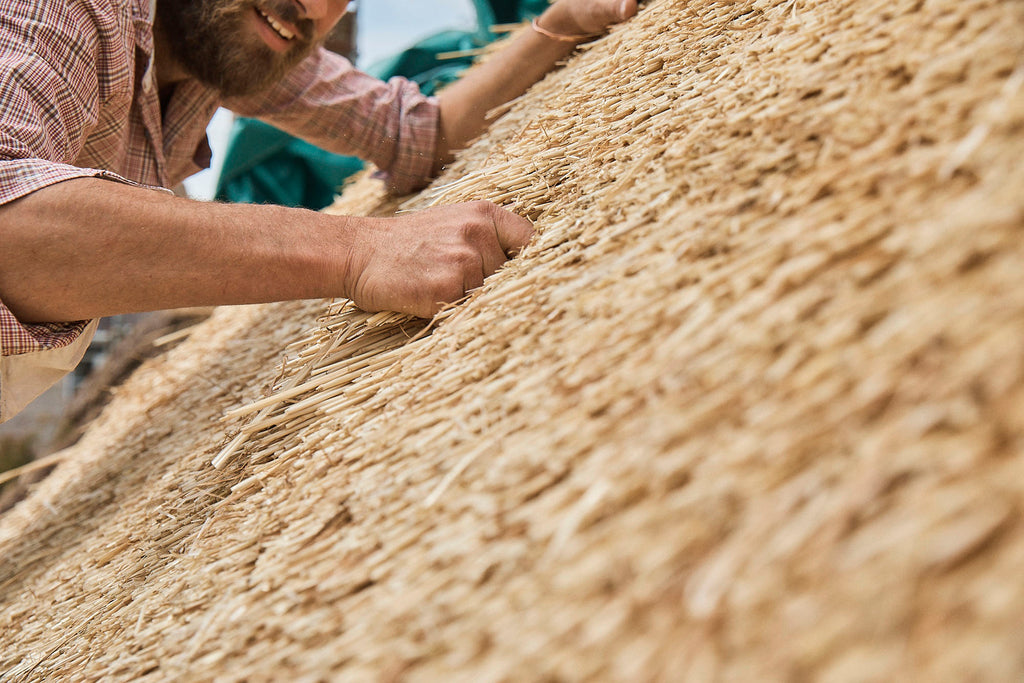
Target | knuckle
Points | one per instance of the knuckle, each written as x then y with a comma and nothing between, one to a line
467,259
447,287
468,231
486,211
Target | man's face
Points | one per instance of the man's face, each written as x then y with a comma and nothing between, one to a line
243,46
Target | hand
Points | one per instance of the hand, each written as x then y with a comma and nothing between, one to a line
417,262
586,17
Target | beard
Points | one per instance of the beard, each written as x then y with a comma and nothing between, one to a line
212,40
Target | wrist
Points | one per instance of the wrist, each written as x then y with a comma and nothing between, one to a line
557,23
573,38
582,20
354,242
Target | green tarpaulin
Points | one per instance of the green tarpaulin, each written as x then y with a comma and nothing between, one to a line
266,165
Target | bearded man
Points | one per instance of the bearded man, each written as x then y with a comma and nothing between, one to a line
104,101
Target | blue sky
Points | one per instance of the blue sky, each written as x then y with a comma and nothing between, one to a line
387,26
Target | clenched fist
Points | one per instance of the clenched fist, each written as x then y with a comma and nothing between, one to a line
417,262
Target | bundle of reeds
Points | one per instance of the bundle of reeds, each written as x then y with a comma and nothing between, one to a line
750,407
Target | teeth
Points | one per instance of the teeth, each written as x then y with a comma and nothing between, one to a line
281,30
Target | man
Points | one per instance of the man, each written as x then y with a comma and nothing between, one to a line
101,101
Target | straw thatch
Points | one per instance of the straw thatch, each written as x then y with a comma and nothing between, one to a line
749,408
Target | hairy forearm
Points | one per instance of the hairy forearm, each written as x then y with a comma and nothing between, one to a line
87,248
518,65
505,76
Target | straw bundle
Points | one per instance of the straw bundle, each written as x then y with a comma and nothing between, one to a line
750,407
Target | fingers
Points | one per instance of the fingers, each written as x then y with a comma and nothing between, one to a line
573,17
613,12
432,257
489,236
627,9
472,278
514,232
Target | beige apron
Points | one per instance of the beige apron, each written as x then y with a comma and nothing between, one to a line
26,376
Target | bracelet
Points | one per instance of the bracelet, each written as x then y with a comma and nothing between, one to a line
561,37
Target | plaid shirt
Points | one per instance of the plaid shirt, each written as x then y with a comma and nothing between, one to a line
78,98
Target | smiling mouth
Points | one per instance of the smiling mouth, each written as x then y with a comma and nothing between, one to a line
276,25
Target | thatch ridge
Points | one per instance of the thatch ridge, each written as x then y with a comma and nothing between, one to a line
749,407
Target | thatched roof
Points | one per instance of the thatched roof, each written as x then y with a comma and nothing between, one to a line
750,407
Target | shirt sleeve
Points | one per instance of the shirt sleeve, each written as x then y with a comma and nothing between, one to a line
49,97
17,338
42,119
329,103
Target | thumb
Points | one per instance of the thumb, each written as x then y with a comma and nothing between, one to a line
600,16
514,232
627,8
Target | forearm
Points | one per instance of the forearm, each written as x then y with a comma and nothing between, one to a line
88,248
512,70
503,77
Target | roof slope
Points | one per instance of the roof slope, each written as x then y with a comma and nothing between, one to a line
752,404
